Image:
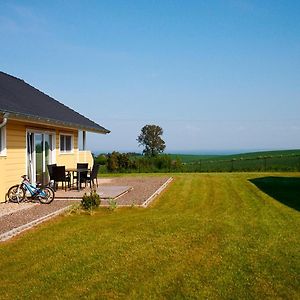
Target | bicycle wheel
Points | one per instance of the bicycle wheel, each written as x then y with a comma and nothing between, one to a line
46,195
16,194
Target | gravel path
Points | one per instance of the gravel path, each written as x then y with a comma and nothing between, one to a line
15,215
25,216
9,208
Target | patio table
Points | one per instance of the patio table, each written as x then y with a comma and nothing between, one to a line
78,171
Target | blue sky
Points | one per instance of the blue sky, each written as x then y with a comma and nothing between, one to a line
216,75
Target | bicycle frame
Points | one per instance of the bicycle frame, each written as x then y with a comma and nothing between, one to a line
26,190
34,191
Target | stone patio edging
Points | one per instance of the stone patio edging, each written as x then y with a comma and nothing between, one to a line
13,232
156,193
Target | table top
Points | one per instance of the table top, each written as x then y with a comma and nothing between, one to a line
77,170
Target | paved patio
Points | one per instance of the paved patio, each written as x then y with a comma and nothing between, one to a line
105,192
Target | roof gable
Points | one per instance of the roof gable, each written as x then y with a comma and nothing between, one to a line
20,98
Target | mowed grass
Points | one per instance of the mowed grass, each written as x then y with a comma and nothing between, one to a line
215,236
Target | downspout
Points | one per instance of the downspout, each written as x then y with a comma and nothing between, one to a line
5,118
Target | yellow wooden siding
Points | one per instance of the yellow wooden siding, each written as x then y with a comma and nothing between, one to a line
86,156
13,165
2,178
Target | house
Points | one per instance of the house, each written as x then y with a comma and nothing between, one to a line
36,130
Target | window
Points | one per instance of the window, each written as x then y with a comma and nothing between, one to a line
66,143
3,141
81,140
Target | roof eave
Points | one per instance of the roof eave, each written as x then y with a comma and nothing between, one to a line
53,122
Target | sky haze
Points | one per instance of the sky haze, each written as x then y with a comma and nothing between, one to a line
216,75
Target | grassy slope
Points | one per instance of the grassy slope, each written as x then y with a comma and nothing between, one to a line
186,158
209,235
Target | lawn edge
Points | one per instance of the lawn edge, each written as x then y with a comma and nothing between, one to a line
148,201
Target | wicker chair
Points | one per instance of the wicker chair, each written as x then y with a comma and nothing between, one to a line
83,175
59,175
93,175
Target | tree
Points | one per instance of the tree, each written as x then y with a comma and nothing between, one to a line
118,162
112,162
101,159
150,138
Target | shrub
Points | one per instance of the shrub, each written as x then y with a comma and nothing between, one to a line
119,162
90,201
112,162
101,159
112,204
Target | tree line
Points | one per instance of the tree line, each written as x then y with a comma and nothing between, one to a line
117,162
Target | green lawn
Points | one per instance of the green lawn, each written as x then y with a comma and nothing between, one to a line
210,236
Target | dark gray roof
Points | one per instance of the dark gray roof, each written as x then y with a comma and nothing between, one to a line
20,99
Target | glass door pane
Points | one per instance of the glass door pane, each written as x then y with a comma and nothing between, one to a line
39,149
48,148
30,157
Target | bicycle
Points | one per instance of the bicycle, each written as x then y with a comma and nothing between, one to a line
17,193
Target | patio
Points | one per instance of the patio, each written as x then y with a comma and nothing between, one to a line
127,191
105,192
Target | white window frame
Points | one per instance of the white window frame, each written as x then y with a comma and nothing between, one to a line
83,136
72,143
3,149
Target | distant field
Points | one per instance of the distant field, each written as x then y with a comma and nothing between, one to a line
189,158
285,160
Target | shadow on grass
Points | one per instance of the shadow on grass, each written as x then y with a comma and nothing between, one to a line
283,189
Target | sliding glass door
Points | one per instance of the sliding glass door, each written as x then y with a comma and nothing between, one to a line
39,155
